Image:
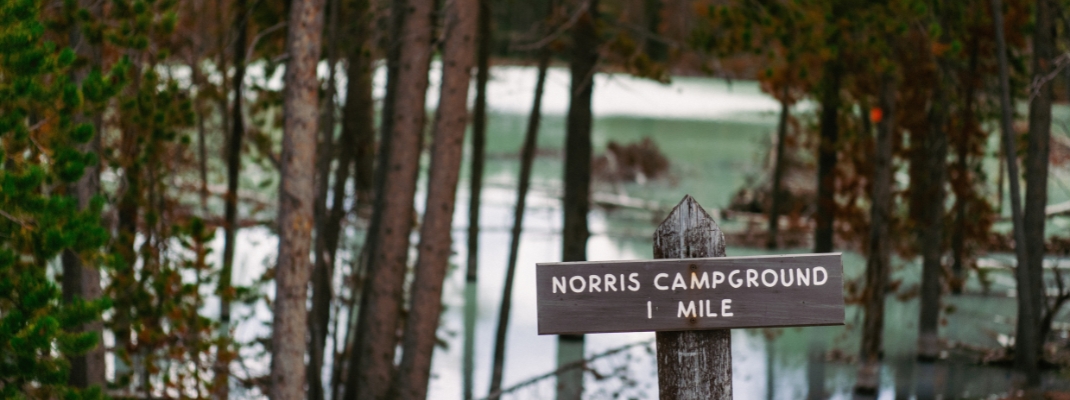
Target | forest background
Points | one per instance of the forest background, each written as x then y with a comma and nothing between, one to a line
140,138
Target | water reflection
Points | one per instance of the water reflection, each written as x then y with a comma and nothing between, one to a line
795,363
711,158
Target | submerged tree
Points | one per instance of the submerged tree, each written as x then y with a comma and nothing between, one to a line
1028,341
527,158
582,64
479,133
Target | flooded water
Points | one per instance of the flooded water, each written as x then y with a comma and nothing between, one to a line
714,133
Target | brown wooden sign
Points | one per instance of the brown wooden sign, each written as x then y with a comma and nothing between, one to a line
690,294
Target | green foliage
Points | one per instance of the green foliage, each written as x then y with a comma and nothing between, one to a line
157,262
38,220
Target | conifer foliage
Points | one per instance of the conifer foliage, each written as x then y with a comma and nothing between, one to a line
38,219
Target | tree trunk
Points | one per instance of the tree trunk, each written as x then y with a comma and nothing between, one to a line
962,166
357,152
451,119
527,158
826,158
479,133
221,386
322,293
578,178
124,280
361,277
296,198
878,263
931,231
358,114
373,352
79,280
1031,273
1026,361
824,234
655,45
778,169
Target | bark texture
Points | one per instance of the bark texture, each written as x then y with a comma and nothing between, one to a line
692,364
1029,341
577,178
878,263
359,299
372,367
527,158
451,119
296,198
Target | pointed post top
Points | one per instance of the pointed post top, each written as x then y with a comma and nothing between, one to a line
688,232
692,364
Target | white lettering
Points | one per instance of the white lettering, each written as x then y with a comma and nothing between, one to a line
649,312
789,279
560,283
734,282
656,278
634,278
708,313
725,306
718,277
682,312
572,283
678,281
594,280
804,279
697,283
767,273
824,276
611,282
752,278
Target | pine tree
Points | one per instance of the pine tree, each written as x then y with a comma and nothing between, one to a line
39,158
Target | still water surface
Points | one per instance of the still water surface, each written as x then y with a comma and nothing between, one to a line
714,133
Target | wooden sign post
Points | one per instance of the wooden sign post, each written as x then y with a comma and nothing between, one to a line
691,296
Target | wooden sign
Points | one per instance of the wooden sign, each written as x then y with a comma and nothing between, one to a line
690,294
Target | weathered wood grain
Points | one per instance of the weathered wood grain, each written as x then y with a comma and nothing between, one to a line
692,364
611,309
